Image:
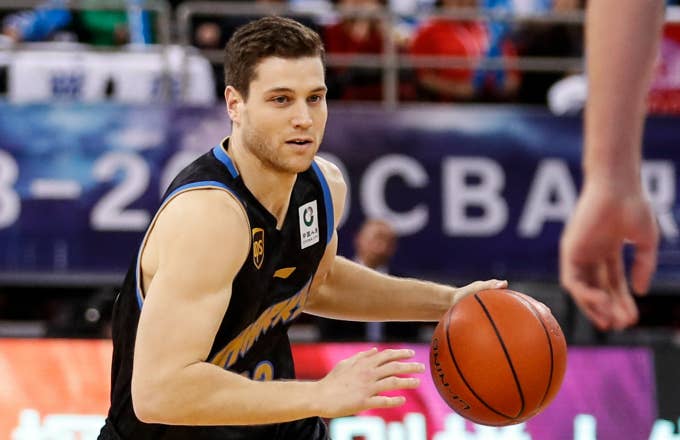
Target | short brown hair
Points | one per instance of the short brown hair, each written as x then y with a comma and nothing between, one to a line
266,37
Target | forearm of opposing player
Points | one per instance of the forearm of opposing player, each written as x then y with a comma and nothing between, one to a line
622,43
354,292
205,394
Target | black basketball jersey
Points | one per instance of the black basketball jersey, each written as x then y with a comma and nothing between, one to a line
268,293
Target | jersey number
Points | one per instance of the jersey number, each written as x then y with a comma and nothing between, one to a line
263,371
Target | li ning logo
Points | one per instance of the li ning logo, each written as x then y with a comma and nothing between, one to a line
309,224
258,247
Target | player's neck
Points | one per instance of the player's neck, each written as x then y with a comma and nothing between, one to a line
270,187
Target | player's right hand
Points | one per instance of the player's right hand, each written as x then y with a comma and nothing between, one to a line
355,383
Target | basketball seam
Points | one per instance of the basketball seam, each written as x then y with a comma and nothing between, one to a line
462,376
552,353
507,355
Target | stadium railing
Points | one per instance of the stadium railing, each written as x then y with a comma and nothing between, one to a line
390,61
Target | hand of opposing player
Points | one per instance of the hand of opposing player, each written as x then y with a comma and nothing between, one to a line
591,260
355,383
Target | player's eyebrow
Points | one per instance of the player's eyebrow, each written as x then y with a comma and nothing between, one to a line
289,90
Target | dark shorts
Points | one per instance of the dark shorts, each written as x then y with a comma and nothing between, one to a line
108,432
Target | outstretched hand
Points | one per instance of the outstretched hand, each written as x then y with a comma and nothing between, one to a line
591,260
355,383
477,286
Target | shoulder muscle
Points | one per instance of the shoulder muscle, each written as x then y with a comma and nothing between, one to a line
203,231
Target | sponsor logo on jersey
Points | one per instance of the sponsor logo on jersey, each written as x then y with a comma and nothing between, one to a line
309,224
258,247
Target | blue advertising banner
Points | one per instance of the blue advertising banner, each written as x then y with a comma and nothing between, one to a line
474,192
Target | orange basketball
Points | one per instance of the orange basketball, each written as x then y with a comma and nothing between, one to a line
498,357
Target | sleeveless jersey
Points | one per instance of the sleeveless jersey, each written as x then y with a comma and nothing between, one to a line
268,292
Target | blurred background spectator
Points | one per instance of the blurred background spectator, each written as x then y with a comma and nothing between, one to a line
210,32
472,40
355,34
375,245
52,20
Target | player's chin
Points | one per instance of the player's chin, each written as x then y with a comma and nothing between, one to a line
302,161
298,165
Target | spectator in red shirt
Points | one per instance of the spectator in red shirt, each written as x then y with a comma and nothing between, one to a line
355,35
470,39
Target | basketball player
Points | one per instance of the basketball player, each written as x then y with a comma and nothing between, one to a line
244,241
622,39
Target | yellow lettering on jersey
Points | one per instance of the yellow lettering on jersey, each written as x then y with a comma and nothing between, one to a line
283,311
263,371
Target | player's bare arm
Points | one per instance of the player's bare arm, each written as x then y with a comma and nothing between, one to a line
347,290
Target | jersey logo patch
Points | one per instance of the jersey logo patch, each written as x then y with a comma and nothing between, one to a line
309,224
258,247
284,272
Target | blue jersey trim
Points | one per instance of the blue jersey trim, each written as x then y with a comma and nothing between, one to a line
205,184
328,202
140,301
219,153
213,183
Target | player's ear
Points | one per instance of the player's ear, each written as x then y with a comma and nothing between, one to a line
234,102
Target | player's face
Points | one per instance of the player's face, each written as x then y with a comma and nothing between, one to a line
284,118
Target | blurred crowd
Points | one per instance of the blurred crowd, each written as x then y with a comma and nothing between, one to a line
445,50
353,30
